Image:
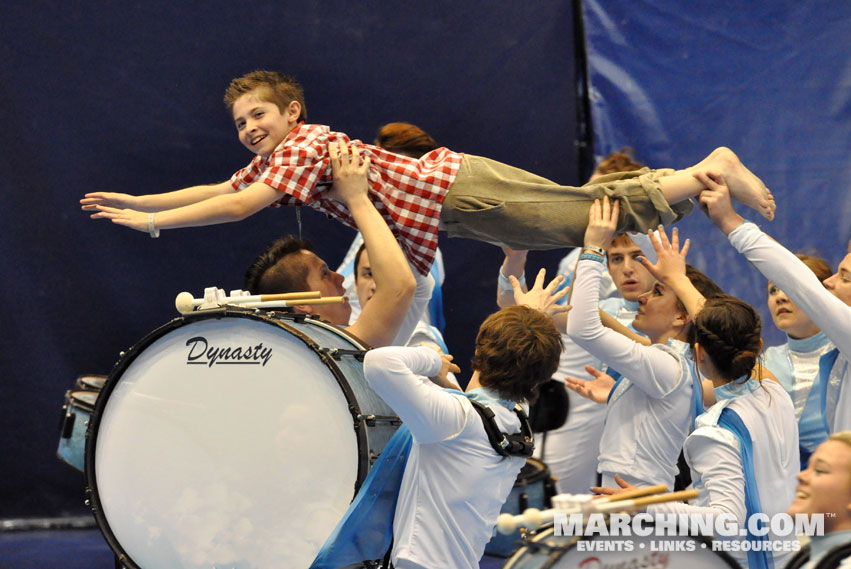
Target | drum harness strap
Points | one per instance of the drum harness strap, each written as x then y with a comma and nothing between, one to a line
334,552
519,444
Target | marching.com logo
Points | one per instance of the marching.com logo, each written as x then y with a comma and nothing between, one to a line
760,532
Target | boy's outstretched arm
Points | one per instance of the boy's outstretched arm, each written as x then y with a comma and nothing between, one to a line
155,202
381,318
224,208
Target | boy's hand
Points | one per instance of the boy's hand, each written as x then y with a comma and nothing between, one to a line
111,199
602,223
670,259
597,389
716,204
127,217
350,176
542,299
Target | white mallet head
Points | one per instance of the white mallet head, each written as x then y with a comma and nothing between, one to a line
505,524
184,302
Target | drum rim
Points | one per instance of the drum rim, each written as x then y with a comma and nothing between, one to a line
546,529
540,474
129,356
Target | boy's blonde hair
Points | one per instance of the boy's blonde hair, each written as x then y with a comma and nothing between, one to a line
270,86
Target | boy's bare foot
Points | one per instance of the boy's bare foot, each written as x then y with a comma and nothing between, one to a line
745,186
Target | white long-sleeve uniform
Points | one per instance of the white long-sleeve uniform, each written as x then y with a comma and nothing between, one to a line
571,450
829,313
714,456
649,414
454,482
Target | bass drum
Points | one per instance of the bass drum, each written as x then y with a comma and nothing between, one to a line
549,551
232,438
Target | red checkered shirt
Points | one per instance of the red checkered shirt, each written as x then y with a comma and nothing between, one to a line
408,193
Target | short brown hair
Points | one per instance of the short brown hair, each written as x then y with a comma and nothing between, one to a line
404,138
277,269
622,240
620,161
517,349
270,86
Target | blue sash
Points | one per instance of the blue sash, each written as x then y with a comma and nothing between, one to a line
618,377
731,421
366,530
438,338
825,366
812,426
697,407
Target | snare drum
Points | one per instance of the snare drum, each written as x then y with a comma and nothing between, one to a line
545,550
76,413
534,488
232,438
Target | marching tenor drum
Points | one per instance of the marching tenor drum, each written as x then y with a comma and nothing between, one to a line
232,438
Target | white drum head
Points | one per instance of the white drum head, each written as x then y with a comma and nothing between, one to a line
241,461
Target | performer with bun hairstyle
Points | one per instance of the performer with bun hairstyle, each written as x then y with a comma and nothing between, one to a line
743,453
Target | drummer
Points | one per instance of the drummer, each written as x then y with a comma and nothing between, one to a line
454,481
290,265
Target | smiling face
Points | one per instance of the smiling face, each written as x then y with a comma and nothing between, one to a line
840,283
260,125
658,315
825,486
787,316
328,283
630,277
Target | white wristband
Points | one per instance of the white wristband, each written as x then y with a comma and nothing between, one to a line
505,284
598,250
152,230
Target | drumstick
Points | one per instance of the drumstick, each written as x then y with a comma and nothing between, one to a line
533,518
185,302
647,500
286,303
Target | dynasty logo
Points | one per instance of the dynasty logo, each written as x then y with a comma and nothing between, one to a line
202,353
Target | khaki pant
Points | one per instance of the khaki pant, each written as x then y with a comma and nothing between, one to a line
506,206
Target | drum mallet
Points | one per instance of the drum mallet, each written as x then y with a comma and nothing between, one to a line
186,303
